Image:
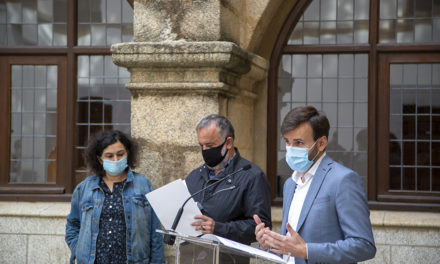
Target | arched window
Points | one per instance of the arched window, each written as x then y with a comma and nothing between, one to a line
58,87
374,68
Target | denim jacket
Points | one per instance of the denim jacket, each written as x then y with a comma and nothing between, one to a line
143,245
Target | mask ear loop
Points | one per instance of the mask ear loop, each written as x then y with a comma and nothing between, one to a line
317,153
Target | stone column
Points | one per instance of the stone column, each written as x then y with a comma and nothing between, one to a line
174,84
185,63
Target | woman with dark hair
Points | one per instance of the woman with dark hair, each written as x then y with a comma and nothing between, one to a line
110,220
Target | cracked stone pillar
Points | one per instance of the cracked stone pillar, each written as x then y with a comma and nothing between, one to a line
184,65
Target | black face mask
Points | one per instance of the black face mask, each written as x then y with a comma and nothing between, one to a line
213,156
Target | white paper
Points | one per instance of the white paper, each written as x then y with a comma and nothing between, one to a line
167,200
238,246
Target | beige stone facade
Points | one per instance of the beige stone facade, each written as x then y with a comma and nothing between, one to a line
34,233
191,58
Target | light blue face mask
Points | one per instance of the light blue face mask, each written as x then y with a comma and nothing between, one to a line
115,167
298,158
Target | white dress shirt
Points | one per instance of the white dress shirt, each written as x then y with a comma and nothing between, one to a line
298,198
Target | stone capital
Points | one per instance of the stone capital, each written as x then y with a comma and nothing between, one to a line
218,67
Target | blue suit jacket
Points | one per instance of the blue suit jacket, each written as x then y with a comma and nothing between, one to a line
334,220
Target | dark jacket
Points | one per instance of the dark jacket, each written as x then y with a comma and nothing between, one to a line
232,203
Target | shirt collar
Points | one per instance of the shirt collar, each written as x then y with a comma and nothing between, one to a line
211,173
296,177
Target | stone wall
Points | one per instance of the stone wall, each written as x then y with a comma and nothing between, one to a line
34,233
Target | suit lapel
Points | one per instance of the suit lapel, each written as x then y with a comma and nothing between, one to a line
315,185
288,202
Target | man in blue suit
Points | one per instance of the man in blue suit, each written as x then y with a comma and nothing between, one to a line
325,210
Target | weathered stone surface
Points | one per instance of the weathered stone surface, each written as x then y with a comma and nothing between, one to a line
190,20
43,209
32,225
410,255
174,54
407,236
13,248
47,249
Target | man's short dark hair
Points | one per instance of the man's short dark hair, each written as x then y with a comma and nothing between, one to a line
225,128
101,141
301,114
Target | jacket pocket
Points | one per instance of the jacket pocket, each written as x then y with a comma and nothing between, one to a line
225,189
321,200
86,206
140,200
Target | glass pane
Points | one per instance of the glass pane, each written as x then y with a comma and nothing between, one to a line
388,9
409,153
127,33
396,126
361,32
415,21
108,106
395,153
423,31
299,91
346,90
361,90
423,154
435,154
423,181
127,13
284,90
345,32
31,124
61,11
45,36
298,62
40,124
34,23
405,31
59,35
409,179
419,123
45,10
409,127
405,8
114,13
314,90
328,33
346,65
395,178
29,12
329,61
98,11
345,9
83,35
314,66
84,15
113,34
362,9
103,23
330,90
423,8
311,32
98,34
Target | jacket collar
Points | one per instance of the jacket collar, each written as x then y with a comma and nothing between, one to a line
95,180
